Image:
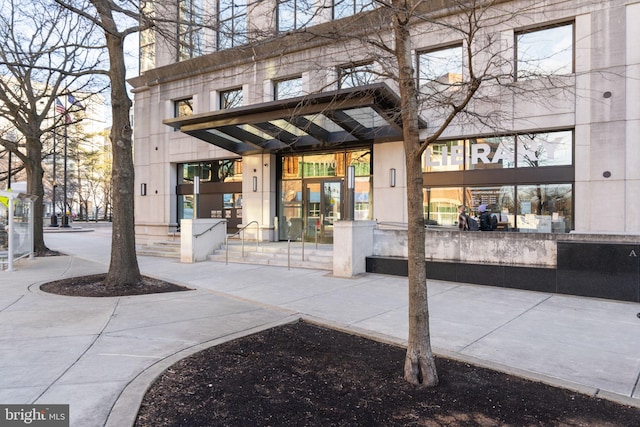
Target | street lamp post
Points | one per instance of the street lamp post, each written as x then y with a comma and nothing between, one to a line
9,173
54,217
12,138
65,216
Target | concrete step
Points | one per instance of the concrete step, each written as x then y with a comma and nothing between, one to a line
276,254
165,249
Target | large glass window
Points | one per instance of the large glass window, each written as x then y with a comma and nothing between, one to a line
229,170
185,206
440,205
545,52
291,167
543,208
232,23
189,29
320,165
344,8
289,88
444,156
531,150
356,75
439,68
295,14
545,149
191,170
305,176
491,153
361,160
291,208
220,190
499,200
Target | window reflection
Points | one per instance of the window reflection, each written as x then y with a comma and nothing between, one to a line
190,29
232,23
440,205
319,165
439,69
491,153
545,52
543,208
499,201
344,8
545,149
444,156
531,150
229,170
295,14
231,99
289,88
357,75
183,107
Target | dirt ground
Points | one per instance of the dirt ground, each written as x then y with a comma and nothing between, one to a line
92,286
306,375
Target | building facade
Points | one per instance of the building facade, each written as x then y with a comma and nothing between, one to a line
263,115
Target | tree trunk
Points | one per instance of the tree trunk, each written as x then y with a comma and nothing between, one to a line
419,367
35,174
123,269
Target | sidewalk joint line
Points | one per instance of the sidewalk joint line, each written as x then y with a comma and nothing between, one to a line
636,385
11,304
95,339
504,324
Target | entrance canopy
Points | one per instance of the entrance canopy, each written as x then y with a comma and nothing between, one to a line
354,116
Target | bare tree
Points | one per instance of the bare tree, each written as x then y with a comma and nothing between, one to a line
387,34
468,98
45,56
117,21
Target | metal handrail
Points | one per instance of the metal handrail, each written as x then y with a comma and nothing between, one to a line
210,228
300,234
398,225
238,232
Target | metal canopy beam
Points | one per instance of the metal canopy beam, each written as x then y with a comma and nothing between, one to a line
341,110
318,132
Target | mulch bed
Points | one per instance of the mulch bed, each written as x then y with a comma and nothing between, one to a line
304,375
93,286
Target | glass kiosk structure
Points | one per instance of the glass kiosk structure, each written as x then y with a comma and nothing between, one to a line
16,227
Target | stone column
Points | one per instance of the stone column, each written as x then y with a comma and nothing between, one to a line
352,243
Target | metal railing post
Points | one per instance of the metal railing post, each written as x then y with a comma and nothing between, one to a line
257,235
241,230
301,233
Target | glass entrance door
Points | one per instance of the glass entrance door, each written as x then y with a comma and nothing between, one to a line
323,206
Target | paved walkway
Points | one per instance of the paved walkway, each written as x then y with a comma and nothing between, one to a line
99,354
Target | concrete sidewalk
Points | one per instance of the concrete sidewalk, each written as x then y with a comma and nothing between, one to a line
99,354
